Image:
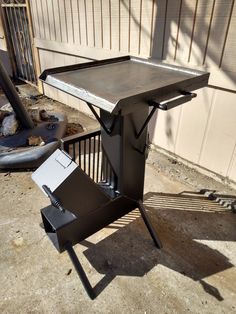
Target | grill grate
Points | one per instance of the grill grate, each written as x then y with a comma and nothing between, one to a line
87,151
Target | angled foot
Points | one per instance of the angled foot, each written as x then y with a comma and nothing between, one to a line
80,272
149,225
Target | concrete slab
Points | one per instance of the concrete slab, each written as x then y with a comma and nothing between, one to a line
194,272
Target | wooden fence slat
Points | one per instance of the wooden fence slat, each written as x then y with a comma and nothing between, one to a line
185,30
57,20
124,25
69,21
45,18
62,15
134,26
146,28
229,55
217,33
106,23
51,19
35,19
98,24
171,29
115,20
90,21
83,22
157,27
202,28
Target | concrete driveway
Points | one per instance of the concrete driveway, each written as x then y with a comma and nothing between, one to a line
194,272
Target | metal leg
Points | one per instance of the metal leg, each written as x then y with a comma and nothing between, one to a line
149,225
80,271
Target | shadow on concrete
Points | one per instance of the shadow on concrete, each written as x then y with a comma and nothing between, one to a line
182,221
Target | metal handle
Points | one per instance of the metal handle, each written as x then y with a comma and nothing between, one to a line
55,202
166,105
174,102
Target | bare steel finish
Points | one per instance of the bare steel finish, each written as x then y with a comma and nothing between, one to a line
119,85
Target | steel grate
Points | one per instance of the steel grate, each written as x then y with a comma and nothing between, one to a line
87,151
17,27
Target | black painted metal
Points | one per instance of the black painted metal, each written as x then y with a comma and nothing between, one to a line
54,201
110,178
123,150
149,225
107,129
73,139
87,151
82,220
166,105
80,271
170,104
74,258
147,121
14,99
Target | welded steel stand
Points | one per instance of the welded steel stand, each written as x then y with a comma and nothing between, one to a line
127,136
124,142
124,89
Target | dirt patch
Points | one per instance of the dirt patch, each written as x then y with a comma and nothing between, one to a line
73,128
43,107
176,170
77,121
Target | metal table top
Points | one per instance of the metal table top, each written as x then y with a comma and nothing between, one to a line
120,84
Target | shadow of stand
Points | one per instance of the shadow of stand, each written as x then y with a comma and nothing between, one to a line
182,221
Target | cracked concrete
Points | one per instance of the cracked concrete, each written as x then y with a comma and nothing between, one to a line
194,272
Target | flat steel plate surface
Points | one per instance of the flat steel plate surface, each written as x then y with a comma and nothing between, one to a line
117,84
